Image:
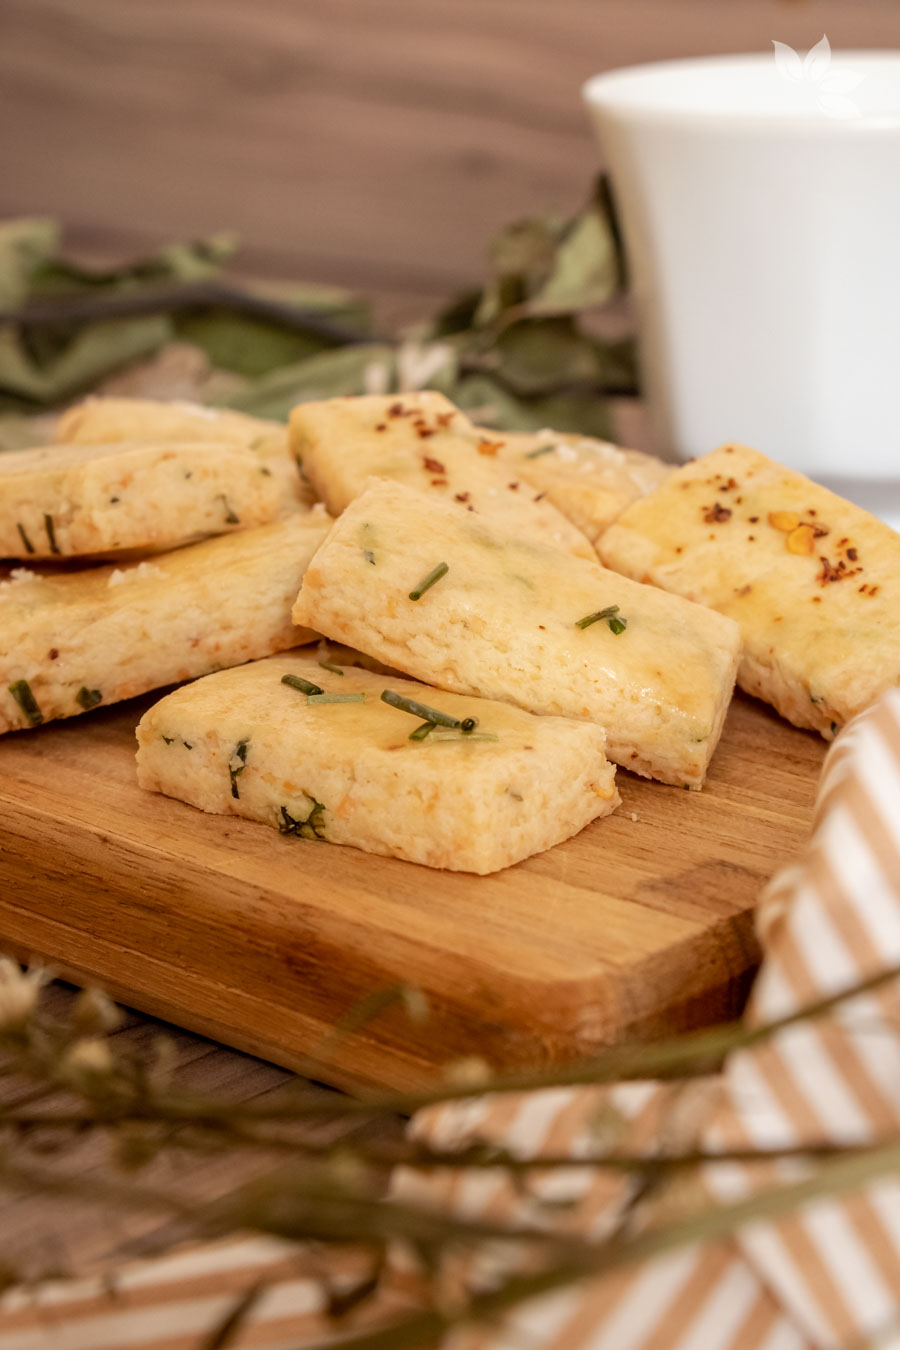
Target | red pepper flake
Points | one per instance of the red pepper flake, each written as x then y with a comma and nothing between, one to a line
717,514
433,465
831,571
381,426
743,590
679,548
513,487
438,482
444,419
817,599
863,588
470,508
542,627
754,520
751,538
873,590
397,410
486,447
852,554
729,485
53,653
842,542
462,496
540,496
812,512
424,432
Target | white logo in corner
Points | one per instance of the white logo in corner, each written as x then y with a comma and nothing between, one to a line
826,83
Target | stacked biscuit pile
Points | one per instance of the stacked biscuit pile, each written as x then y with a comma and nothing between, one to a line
463,560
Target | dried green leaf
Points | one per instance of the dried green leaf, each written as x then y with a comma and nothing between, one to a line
24,244
585,269
490,404
93,351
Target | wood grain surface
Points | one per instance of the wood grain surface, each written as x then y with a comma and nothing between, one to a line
363,142
640,925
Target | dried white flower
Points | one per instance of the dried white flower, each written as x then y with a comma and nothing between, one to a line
19,991
87,1060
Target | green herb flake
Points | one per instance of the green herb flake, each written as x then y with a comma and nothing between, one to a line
329,665
21,692
231,516
335,698
304,686
26,542
463,736
427,582
424,729
541,450
265,471
51,533
236,765
88,698
420,710
369,556
312,827
169,740
609,615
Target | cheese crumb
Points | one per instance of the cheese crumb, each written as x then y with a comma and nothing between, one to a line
20,574
143,572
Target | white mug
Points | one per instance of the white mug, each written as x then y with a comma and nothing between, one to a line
760,206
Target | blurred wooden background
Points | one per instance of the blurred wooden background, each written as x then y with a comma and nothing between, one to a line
376,143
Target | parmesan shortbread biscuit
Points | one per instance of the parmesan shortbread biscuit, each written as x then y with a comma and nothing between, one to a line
424,441
813,581
100,421
242,742
505,617
73,500
590,481
71,641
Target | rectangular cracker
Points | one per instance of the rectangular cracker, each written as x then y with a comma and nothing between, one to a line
75,640
812,580
424,441
348,773
74,500
100,421
590,481
502,623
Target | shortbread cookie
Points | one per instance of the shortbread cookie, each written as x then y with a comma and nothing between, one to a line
590,481
99,421
72,641
424,441
245,743
812,580
73,500
507,618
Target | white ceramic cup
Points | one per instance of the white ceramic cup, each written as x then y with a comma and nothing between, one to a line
760,204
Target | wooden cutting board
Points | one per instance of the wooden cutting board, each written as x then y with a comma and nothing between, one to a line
641,925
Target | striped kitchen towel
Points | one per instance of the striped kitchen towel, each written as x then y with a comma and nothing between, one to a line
826,1275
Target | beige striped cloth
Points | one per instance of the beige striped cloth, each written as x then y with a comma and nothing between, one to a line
824,1277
